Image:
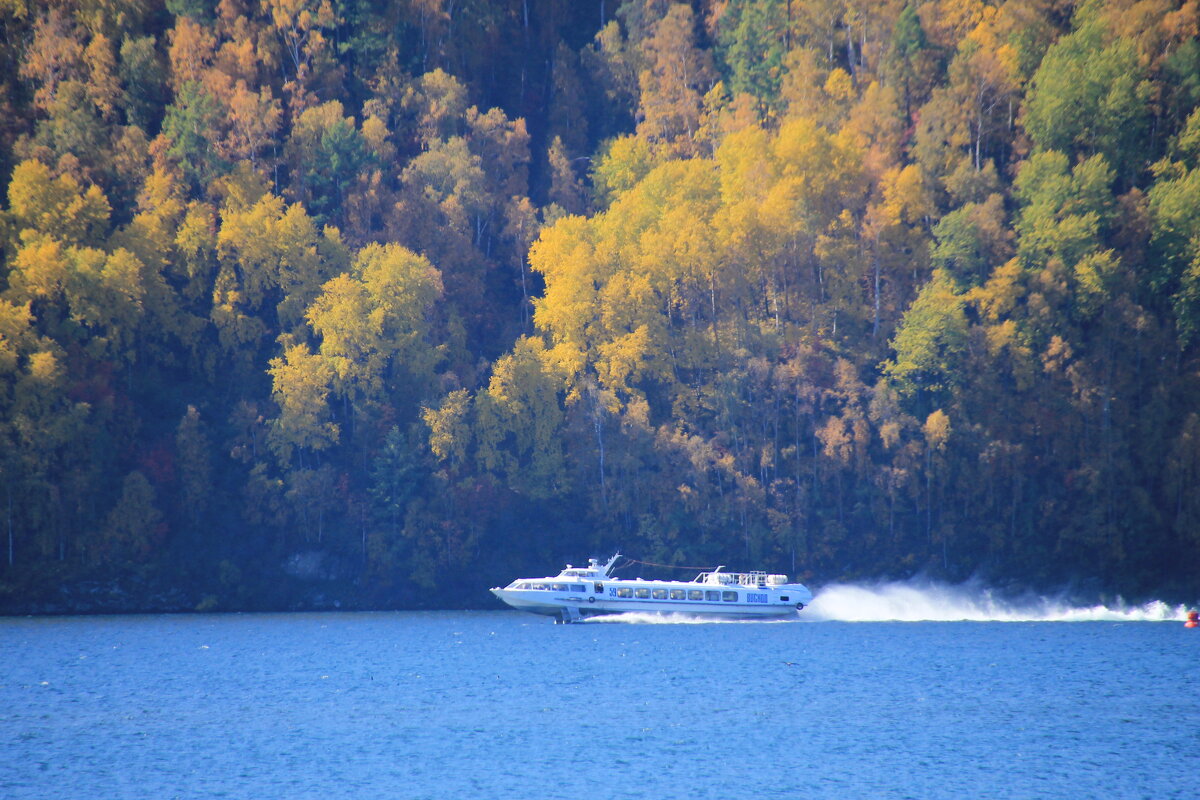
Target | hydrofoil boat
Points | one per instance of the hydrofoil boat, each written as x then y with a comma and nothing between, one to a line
580,592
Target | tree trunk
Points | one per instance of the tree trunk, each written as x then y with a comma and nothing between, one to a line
598,426
10,526
929,494
875,326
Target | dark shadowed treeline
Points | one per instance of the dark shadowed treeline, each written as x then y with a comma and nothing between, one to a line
380,303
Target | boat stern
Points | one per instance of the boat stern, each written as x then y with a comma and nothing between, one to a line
797,594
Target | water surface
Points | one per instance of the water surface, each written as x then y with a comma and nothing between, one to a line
507,705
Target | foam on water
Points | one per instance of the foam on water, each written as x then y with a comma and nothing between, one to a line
933,602
928,601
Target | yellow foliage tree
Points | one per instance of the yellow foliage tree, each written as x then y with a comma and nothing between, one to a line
376,317
300,387
275,252
57,205
519,422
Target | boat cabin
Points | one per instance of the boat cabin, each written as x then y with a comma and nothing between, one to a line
752,579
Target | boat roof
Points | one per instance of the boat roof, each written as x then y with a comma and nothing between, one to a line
595,571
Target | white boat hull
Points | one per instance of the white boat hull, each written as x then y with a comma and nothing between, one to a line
538,602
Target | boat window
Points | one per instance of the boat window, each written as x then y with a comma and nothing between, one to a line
712,595
643,593
695,594
599,587
559,587
659,594
578,587
729,597
784,598
624,592
678,594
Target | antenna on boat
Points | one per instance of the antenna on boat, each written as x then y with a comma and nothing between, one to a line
608,567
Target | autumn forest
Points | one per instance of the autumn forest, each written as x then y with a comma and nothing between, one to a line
314,303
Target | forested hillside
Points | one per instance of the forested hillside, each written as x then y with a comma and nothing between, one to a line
308,302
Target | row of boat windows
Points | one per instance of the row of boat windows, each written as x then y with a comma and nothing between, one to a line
644,594
556,587
679,594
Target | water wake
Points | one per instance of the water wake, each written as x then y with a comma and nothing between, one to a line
926,601
933,602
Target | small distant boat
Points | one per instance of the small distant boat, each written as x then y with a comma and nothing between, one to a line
580,592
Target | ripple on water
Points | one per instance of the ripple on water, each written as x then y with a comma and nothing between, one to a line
509,705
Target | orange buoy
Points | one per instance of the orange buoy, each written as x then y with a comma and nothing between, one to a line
1193,620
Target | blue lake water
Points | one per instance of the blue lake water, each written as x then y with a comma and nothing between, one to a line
506,705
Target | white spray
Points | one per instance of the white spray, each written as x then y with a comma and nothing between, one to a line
922,601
